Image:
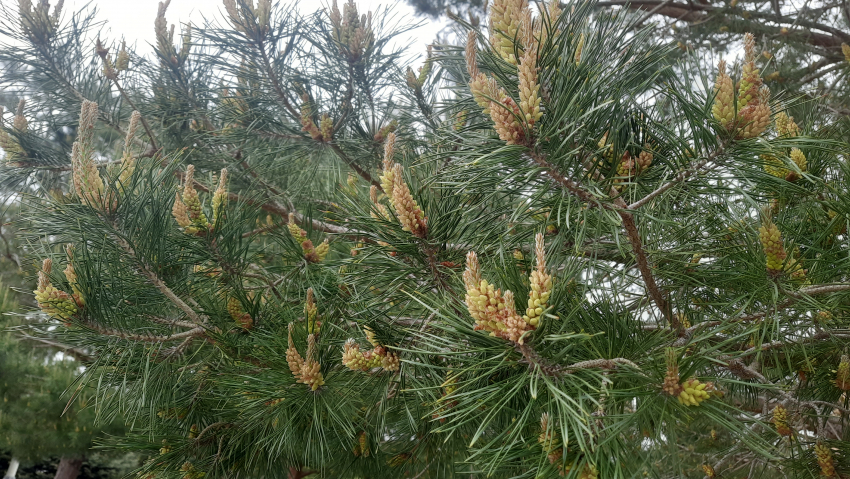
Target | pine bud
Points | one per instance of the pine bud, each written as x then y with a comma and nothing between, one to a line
785,125
381,135
723,108
548,437
529,88
219,199
53,302
823,454
709,471
243,319
579,49
644,160
491,311
780,421
311,313
87,182
382,210
307,123
506,18
460,120
671,378
123,60
504,114
842,374
299,235
774,251
409,214
469,53
363,443
71,276
540,283
311,374
19,122
748,89
388,177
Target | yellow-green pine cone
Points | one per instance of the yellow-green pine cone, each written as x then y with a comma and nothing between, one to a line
388,176
299,235
54,302
307,123
541,286
192,201
780,421
326,127
363,444
311,313
785,125
579,49
842,374
774,166
123,60
504,115
219,199
845,49
751,81
482,89
529,88
390,362
644,160
625,171
755,117
409,214
293,359
548,437
799,159
709,471
693,392
823,454
723,108
506,19
322,251
774,251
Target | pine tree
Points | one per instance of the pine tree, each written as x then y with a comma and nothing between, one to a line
549,251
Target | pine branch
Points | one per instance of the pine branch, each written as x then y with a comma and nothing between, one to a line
160,285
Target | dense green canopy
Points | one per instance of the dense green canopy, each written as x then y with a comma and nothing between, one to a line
551,250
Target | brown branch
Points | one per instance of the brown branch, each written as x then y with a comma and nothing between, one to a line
534,360
695,12
160,285
629,225
172,322
149,338
75,353
354,166
681,177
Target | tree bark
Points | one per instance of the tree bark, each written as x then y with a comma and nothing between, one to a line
13,469
69,468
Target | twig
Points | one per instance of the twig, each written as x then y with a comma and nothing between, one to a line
160,285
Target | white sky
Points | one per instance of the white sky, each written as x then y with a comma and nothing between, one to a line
133,19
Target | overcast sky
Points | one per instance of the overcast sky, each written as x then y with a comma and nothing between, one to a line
133,19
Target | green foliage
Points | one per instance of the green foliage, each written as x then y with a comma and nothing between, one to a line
197,329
